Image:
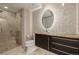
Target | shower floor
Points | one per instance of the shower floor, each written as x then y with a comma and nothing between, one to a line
7,44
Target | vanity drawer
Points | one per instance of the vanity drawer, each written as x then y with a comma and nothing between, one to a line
63,48
59,52
65,41
41,41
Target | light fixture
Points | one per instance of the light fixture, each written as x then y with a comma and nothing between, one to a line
5,7
62,4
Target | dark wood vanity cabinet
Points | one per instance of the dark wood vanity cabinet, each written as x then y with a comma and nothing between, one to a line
64,46
57,44
41,41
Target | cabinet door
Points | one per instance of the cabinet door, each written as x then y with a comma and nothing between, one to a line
41,41
64,45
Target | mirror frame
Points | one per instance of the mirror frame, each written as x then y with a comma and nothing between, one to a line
46,29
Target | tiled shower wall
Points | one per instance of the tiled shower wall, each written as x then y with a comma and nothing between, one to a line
8,30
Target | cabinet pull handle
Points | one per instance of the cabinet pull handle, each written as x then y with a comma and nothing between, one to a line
61,51
64,45
64,39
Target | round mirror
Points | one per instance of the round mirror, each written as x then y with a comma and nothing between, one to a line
47,19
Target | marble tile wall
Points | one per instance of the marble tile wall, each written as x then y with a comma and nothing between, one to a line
64,19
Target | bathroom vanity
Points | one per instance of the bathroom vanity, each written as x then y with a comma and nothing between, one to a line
58,44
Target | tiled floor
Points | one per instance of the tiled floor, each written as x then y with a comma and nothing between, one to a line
7,46
19,51
16,51
7,42
40,51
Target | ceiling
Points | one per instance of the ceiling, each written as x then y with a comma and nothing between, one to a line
14,7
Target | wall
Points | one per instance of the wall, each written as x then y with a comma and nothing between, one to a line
19,26
8,28
78,19
26,25
64,19
9,22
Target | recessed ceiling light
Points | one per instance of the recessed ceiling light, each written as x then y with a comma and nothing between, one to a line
5,7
